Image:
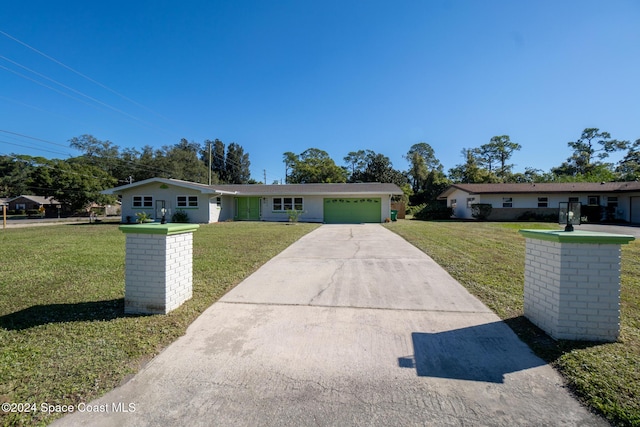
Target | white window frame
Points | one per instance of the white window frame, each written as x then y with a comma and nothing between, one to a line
288,203
454,203
187,202
507,202
143,202
543,202
470,201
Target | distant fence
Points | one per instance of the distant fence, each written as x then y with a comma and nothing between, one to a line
400,207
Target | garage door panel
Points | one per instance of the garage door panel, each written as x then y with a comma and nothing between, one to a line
352,210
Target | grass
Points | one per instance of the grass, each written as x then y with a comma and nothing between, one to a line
488,259
63,336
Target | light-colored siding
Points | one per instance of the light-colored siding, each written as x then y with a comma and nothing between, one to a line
530,201
314,207
208,211
169,194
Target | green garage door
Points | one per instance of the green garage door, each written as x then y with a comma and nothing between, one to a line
352,210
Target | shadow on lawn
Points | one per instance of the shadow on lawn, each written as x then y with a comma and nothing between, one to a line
59,313
542,344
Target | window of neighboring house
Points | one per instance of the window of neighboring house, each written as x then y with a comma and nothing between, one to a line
507,202
454,203
142,201
574,199
612,202
543,202
470,201
187,201
594,200
21,206
288,203
218,201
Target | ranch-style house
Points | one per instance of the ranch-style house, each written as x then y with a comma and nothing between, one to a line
606,201
326,203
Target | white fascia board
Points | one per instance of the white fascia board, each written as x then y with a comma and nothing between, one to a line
224,193
177,183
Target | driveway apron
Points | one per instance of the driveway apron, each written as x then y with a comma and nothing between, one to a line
349,326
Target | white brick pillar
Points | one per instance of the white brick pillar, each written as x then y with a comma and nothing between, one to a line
572,283
158,267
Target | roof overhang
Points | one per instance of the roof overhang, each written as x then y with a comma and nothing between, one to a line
205,189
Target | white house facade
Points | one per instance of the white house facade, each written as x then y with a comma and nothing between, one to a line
328,203
610,201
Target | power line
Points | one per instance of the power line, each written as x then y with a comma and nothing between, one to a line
83,75
25,146
33,137
97,101
146,124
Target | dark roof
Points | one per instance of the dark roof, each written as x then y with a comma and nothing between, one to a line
280,190
547,187
41,200
310,189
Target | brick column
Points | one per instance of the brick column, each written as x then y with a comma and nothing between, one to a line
572,283
159,267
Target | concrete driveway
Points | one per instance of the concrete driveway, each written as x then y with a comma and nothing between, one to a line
349,326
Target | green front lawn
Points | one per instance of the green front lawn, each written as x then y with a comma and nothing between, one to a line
63,336
488,259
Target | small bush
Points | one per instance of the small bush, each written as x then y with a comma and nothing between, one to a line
143,217
293,215
180,216
432,211
481,211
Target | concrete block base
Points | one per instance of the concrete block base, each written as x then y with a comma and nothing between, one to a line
158,269
572,283
572,290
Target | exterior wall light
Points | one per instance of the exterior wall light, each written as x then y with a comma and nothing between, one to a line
163,210
569,214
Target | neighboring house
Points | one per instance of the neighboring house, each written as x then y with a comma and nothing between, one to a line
102,209
33,203
328,203
609,200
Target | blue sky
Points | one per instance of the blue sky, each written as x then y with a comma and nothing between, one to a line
277,76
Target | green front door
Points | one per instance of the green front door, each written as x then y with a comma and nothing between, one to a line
247,209
352,210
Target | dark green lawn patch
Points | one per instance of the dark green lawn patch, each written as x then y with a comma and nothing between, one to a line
488,259
63,336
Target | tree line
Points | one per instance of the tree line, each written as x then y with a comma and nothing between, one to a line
78,181
425,178
102,164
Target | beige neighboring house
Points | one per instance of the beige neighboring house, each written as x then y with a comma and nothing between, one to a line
610,201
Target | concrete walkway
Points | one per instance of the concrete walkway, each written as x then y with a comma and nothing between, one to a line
349,326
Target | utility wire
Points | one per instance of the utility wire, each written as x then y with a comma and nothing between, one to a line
82,75
97,101
224,159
